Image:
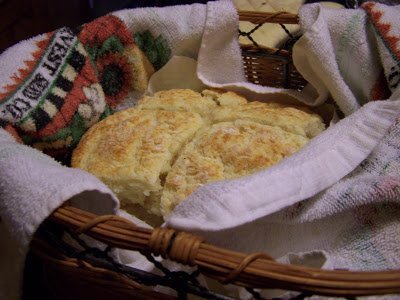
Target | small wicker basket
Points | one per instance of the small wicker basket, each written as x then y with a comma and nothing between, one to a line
66,272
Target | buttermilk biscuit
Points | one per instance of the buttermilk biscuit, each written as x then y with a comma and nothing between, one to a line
133,149
155,155
224,151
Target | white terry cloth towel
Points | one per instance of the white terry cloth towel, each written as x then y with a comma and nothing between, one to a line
339,195
208,33
32,185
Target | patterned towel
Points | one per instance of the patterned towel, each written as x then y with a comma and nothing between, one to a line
71,80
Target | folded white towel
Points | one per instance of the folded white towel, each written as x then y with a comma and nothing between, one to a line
32,185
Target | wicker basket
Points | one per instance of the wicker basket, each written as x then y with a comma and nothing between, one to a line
65,272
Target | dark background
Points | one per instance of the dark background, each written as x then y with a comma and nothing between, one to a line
21,19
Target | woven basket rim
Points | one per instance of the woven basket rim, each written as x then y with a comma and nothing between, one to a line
256,270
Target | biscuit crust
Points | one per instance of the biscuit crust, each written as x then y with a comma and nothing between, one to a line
224,151
131,150
156,154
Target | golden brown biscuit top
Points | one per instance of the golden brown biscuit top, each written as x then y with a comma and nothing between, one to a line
223,151
135,144
159,152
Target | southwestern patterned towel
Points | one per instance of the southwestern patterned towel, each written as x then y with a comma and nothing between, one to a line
68,80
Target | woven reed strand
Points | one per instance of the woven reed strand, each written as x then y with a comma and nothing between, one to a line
219,263
263,17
